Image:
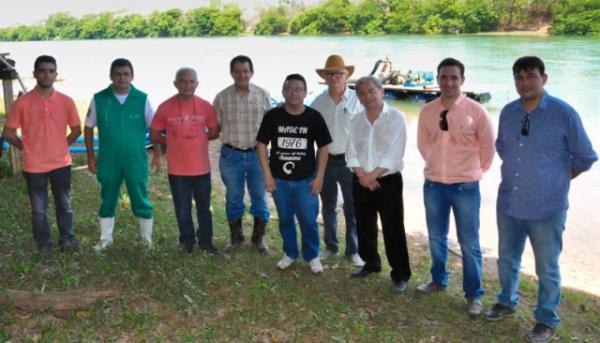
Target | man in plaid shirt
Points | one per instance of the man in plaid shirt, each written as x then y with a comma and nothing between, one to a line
240,109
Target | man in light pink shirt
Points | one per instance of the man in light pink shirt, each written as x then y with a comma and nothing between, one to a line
190,123
43,116
456,139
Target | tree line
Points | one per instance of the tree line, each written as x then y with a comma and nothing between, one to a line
369,17
567,17
202,21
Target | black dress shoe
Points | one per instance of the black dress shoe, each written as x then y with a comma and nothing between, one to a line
498,311
361,273
188,247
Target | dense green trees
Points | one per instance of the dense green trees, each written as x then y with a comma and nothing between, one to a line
446,16
273,21
577,17
201,21
570,17
170,23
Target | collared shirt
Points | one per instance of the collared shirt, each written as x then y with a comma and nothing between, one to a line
465,151
187,141
536,168
91,118
43,124
338,117
240,115
380,144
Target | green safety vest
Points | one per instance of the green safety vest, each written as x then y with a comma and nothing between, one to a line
121,129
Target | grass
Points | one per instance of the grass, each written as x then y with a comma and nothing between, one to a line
170,296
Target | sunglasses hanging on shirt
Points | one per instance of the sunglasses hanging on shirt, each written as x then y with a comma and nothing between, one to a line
444,120
525,125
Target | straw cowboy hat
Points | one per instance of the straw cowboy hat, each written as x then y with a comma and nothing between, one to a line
334,63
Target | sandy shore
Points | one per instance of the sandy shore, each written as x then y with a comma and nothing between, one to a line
542,31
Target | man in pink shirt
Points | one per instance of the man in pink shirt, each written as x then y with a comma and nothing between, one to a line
190,122
456,139
43,115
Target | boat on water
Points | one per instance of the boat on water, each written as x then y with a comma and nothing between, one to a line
416,85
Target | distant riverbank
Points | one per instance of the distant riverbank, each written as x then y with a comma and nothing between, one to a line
543,31
366,17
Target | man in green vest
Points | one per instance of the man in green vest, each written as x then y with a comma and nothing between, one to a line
122,114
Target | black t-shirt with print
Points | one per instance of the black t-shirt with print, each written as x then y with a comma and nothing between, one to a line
292,139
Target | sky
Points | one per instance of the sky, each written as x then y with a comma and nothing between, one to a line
27,12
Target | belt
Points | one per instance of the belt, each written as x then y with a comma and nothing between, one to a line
337,156
239,149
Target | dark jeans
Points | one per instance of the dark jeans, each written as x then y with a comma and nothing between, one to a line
337,172
183,188
387,202
37,188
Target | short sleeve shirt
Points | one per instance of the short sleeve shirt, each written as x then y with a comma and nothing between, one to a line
293,139
43,124
240,115
186,123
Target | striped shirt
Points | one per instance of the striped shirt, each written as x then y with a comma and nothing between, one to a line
240,115
536,168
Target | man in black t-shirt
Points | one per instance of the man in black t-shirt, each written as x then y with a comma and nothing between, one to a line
291,172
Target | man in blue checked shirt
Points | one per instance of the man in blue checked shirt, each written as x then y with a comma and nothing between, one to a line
543,146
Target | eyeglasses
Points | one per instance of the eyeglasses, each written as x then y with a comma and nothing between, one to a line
525,126
444,120
335,75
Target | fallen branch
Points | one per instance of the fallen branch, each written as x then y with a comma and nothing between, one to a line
55,301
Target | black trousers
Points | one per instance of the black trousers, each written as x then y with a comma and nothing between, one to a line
387,202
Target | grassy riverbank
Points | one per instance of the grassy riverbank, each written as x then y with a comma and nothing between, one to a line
167,295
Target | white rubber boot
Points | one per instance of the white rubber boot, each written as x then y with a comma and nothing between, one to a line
107,226
146,230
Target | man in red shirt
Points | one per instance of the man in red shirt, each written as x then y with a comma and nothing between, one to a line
190,123
43,116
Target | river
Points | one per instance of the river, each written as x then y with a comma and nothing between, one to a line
573,66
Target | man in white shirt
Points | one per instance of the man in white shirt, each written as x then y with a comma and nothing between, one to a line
338,104
375,150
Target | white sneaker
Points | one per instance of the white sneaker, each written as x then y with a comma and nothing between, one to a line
315,265
356,260
285,262
324,254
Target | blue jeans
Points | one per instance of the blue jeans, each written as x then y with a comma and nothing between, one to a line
295,199
183,188
37,188
238,168
464,199
337,172
546,240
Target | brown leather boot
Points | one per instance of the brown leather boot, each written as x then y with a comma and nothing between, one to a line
258,235
237,236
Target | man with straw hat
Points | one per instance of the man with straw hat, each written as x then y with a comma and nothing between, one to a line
338,104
